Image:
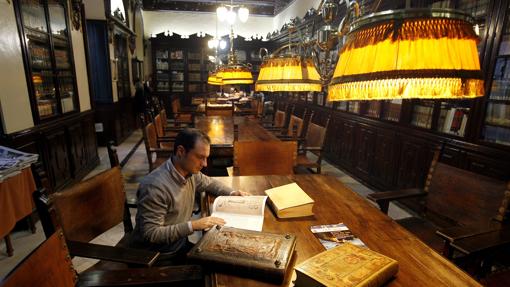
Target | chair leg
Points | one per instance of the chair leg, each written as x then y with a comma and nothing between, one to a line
8,245
31,224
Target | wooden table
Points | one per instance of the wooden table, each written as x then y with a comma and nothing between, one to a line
221,132
15,203
334,203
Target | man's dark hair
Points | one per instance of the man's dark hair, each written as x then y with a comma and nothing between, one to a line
188,138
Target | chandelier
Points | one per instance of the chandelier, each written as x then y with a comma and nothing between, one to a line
229,13
234,73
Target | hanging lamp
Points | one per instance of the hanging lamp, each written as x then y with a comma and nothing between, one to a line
234,73
288,72
413,53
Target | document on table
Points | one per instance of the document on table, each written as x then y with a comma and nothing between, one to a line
244,212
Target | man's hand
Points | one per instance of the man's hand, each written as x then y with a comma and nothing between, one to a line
240,193
206,222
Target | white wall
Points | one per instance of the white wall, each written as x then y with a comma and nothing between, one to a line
80,63
187,23
14,98
94,9
297,8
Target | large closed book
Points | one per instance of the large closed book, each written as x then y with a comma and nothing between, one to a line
346,266
289,201
265,256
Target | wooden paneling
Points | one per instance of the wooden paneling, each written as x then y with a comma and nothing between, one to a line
67,148
365,149
384,158
118,120
58,164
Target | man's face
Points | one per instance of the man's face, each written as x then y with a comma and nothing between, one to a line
196,159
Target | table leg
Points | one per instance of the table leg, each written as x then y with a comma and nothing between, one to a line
8,245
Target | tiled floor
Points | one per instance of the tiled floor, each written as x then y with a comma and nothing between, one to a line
24,241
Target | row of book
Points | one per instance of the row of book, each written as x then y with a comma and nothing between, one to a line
453,121
498,114
13,161
422,116
498,134
500,90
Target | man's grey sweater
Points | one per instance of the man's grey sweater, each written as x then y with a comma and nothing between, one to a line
165,205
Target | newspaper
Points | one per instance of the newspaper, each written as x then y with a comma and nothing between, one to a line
13,161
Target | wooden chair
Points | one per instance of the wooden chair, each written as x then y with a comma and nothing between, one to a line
181,116
88,209
456,204
313,143
49,265
158,149
114,162
162,128
279,119
264,157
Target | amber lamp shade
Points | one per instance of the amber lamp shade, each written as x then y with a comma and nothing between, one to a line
288,74
428,54
235,75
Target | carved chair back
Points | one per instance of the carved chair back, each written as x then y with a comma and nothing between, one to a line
49,265
462,196
91,207
264,157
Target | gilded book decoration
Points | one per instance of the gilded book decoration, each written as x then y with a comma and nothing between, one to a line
258,254
346,266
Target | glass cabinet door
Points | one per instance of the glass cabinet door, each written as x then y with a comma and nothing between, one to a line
39,49
59,36
49,57
497,117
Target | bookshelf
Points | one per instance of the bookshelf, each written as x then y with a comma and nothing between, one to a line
49,63
496,125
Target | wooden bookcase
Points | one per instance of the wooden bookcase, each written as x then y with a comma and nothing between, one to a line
181,65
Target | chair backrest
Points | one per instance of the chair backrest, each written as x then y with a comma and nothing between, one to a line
462,196
91,207
176,105
49,265
279,119
150,136
164,119
159,126
112,154
264,157
316,134
297,124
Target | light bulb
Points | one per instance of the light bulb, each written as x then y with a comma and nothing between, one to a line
231,17
221,12
223,44
210,44
243,13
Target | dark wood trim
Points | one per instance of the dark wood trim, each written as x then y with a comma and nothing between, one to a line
87,53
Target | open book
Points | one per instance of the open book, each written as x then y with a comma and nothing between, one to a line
244,212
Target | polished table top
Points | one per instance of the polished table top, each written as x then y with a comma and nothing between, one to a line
419,265
221,130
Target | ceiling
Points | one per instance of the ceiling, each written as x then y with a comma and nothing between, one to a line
256,7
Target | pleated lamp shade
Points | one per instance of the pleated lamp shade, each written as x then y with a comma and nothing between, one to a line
429,54
235,75
288,74
214,80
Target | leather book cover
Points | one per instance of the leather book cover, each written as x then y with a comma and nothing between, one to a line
346,265
245,253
